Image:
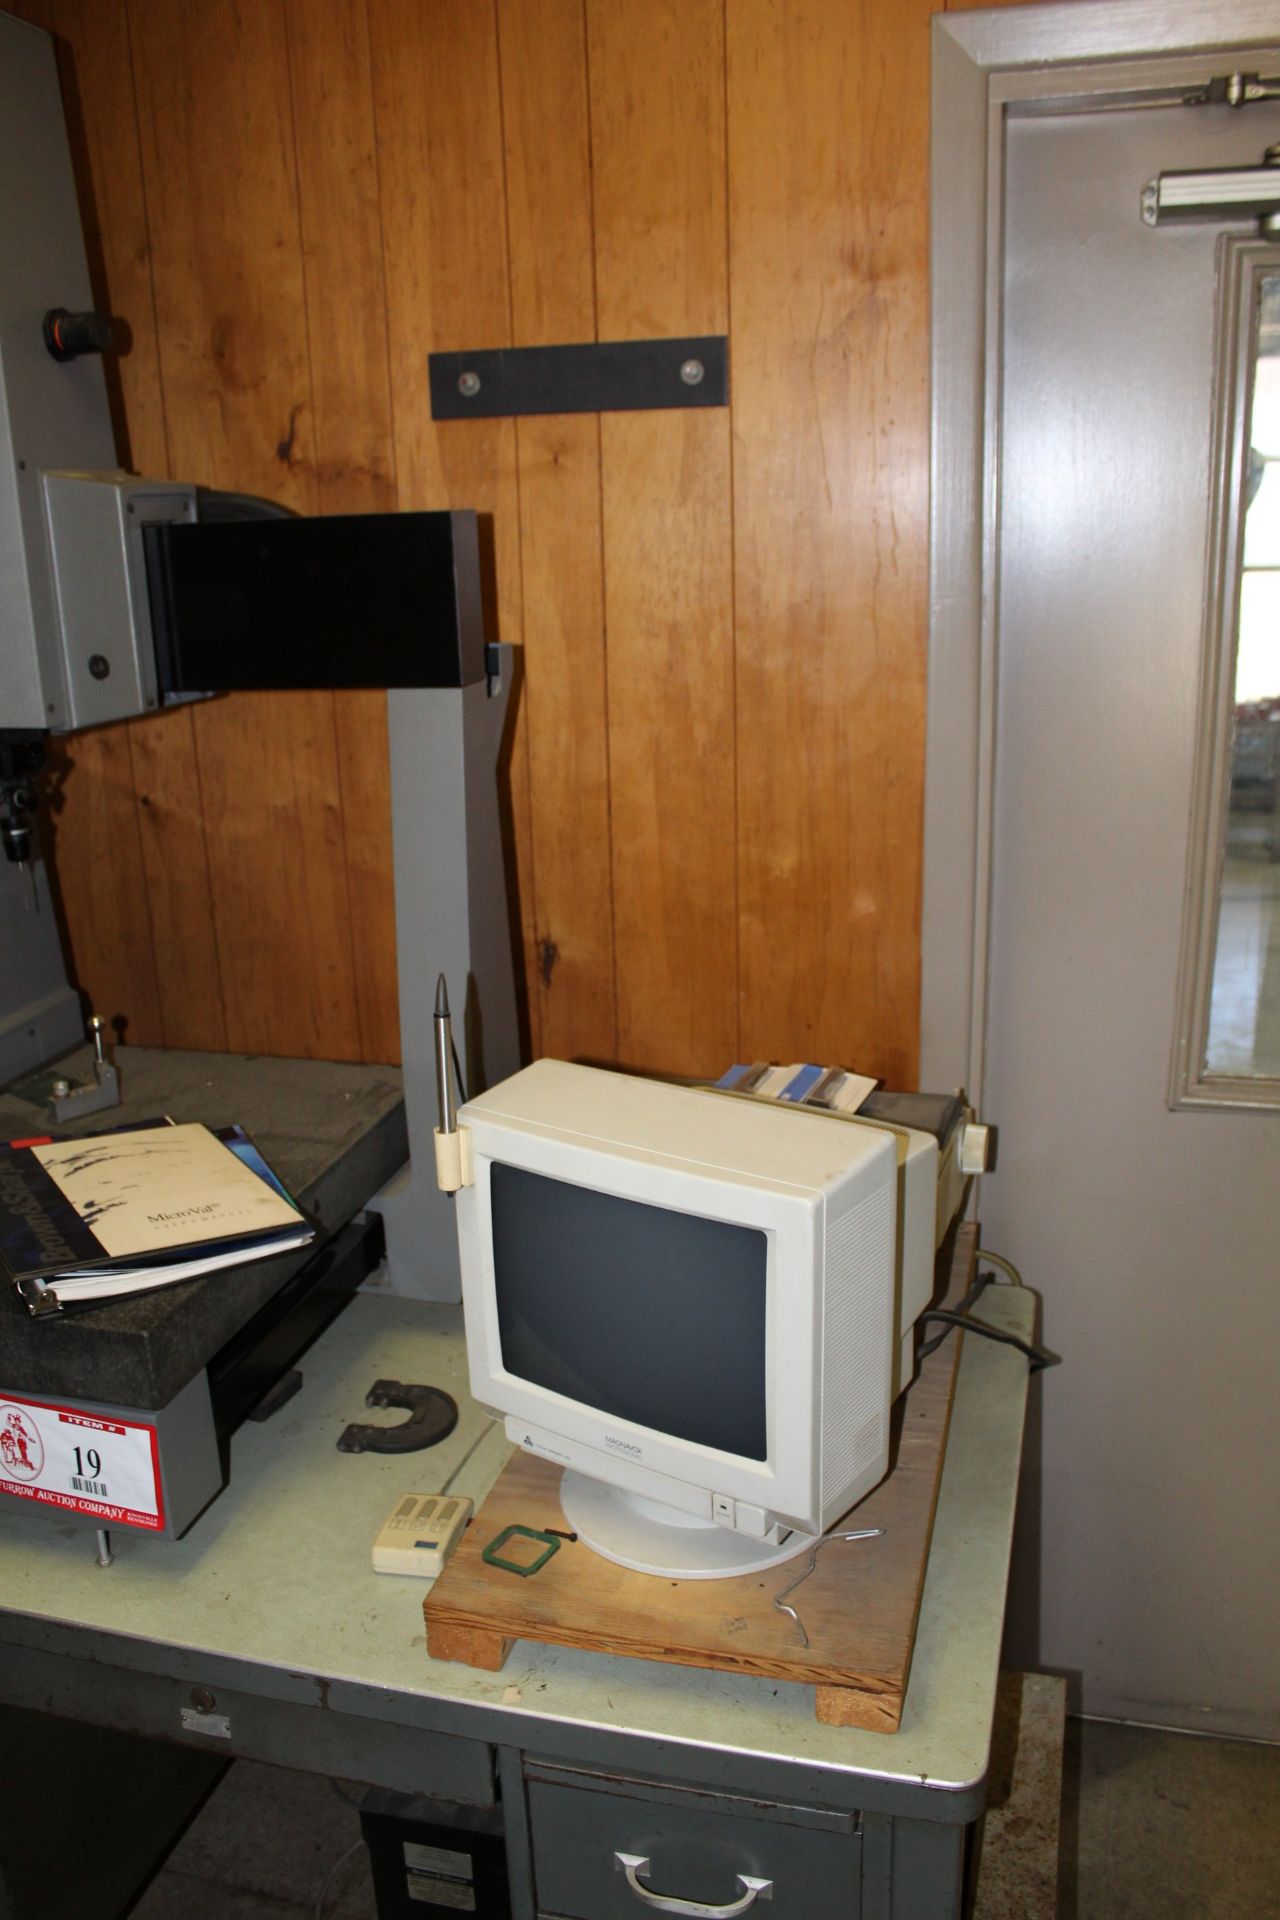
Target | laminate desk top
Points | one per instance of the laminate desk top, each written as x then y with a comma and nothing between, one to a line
270,1606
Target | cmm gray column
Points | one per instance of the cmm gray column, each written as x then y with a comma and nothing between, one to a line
452,917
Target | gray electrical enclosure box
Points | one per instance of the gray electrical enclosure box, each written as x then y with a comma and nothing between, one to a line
102,614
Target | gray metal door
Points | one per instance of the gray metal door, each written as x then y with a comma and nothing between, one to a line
1150,1568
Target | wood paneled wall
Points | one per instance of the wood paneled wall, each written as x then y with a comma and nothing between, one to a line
718,778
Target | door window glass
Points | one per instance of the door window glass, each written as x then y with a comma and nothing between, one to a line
1244,1012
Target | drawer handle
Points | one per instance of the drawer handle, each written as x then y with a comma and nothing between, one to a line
634,1865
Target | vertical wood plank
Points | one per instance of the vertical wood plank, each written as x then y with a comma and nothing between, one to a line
173,888
217,140
671,740
102,122
174,833
439,144
283,932
658,154
96,864
542,46
565,710
122,946
174,836
546,130
344,286
36,13
345,290
658,159
828,117
438,115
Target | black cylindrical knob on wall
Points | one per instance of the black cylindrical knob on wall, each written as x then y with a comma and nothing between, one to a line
67,335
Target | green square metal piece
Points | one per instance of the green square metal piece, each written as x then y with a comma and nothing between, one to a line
493,1552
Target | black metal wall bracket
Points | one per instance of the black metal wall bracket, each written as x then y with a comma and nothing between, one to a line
606,376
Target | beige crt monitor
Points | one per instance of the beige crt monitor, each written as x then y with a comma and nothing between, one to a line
691,1302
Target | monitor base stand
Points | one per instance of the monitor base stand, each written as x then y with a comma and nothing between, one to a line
647,1537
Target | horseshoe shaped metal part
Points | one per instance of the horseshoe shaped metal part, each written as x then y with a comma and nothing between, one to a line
433,1415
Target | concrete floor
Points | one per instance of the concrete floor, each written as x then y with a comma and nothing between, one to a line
1168,1826
267,1845
1155,1826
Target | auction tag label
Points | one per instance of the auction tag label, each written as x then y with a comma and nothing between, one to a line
82,1462
439,1877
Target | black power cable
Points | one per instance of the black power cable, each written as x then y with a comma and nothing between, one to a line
960,1317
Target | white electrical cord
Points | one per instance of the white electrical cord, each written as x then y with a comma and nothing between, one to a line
998,1260
323,1896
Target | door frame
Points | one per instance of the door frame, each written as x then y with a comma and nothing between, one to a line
1088,53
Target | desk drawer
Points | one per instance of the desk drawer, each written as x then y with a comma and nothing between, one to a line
287,1732
697,1845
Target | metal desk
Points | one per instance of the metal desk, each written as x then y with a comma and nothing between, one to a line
270,1607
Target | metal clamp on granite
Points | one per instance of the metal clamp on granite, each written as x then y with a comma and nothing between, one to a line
69,1100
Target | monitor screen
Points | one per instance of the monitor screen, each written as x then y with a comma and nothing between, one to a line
635,1310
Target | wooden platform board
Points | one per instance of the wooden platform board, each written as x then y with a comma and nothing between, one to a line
859,1606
